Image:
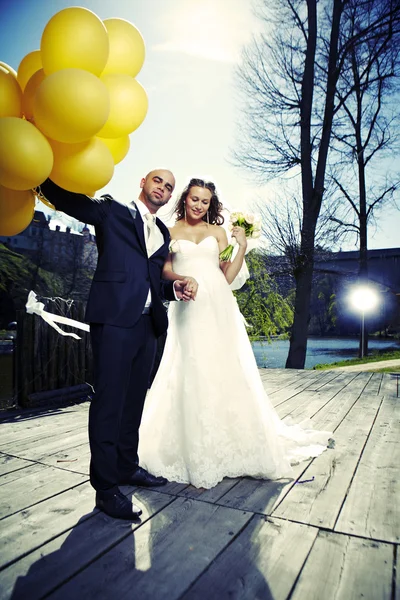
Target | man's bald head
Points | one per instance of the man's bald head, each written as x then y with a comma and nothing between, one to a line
157,188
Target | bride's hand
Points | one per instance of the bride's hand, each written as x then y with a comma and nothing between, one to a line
190,288
240,235
186,288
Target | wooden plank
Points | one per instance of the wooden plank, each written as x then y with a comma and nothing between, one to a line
372,507
308,403
53,430
286,384
374,384
30,419
330,415
352,390
163,557
45,426
389,385
29,529
172,488
50,446
343,568
75,541
259,495
333,384
305,406
23,488
263,496
76,459
319,500
210,495
289,391
263,562
327,419
322,380
8,464
341,382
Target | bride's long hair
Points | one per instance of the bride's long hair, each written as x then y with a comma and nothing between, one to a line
213,215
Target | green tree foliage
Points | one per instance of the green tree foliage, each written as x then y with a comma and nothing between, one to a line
264,308
16,276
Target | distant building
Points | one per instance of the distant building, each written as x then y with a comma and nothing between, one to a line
54,249
383,266
383,272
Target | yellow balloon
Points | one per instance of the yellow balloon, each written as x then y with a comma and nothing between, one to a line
71,105
10,93
16,210
30,92
31,63
127,49
128,105
74,38
29,157
119,147
82,167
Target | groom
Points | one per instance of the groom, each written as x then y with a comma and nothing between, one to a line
126,315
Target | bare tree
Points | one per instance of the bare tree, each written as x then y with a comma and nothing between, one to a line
367,125
289,78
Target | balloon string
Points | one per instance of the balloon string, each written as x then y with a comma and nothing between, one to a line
35,307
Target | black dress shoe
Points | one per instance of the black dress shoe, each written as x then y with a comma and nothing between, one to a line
116,505
143,478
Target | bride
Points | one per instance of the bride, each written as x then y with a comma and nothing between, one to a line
207,415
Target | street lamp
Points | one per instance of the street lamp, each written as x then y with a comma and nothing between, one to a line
363,299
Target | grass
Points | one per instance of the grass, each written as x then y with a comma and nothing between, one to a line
371,358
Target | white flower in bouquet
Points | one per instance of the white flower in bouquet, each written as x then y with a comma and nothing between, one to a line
249,223
250,218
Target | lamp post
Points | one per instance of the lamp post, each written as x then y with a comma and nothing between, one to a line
364,299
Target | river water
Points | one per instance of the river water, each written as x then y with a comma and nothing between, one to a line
319,350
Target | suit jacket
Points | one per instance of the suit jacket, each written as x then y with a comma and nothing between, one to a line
124,272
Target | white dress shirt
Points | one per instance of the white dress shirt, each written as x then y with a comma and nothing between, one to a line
142,208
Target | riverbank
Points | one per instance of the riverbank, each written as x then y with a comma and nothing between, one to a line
381,366
377,361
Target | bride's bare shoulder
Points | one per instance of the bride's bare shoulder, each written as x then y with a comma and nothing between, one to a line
174,230
219,232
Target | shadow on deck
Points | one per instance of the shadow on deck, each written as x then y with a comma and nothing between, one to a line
330,532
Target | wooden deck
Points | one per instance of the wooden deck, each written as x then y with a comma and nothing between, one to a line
330,533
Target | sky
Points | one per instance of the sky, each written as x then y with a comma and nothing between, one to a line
192,49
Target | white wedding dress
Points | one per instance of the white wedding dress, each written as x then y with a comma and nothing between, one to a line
207,415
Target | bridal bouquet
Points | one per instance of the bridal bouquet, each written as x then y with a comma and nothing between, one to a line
250,224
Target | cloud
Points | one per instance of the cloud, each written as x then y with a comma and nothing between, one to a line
212,29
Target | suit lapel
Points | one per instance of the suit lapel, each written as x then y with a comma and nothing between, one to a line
139,226
165,232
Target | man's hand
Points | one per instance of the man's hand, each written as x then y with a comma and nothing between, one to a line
186,289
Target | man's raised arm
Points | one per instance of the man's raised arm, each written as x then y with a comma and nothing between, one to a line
81,207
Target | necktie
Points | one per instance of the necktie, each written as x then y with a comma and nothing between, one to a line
151,233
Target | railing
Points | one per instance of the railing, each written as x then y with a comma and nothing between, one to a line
47,362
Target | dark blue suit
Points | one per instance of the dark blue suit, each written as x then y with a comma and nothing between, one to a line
123,340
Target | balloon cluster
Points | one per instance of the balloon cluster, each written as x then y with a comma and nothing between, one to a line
68,111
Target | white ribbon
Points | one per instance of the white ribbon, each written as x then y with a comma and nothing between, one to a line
37,308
